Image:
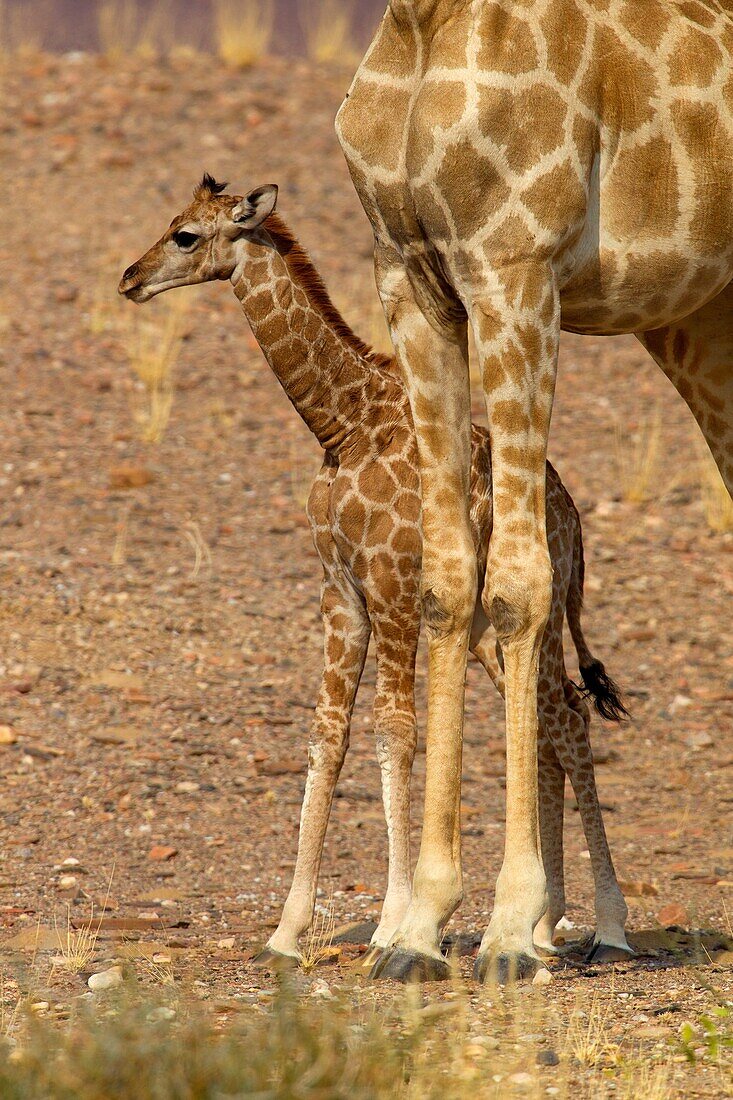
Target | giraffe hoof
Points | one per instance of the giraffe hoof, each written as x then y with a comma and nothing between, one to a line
505,968
607,953
410,966
275,960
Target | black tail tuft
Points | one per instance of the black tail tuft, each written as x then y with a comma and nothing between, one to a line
604,692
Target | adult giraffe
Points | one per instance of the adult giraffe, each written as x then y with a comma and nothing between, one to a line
527,166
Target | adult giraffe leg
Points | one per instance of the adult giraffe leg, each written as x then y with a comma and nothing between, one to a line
346,639
696,354
433,355
516,322
395,729
551,781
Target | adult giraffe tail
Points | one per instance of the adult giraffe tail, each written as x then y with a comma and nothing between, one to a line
596,683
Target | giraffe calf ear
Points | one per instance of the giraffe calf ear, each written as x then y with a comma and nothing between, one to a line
256,207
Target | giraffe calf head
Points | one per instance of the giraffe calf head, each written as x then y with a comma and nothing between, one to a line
202,243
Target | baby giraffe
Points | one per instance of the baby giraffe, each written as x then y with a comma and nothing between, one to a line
364,511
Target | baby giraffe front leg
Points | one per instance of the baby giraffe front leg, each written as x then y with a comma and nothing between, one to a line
395,729
346,638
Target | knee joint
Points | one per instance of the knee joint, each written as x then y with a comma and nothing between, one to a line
396,734
451,610
520,607
327,752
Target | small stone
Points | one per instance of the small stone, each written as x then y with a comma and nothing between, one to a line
474,1050
700,739
638,889
321,988
40,1006
187,787
105,979
8,736
68,882
542,977
130,477
226,944
522,1081
679,703
110,737
71,861
285,766
547,1058
673,914
651,1031
162,852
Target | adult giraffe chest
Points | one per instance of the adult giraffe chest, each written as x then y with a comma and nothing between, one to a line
481,134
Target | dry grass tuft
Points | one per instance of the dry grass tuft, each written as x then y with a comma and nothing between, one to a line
645,1081
157,966
78,946
201,552
152,348
125,29
318,944
587,1039
716,500
10,1004
119,548
23,27
243,30
327,29
639,460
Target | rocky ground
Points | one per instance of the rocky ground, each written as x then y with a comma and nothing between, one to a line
160,622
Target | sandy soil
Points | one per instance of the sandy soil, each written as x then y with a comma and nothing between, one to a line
152,707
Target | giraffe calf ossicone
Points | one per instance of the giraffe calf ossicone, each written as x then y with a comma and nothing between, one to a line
364,511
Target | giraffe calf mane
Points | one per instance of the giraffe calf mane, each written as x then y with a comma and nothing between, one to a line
308,278
208,188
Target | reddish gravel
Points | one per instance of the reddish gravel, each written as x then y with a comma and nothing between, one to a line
161,718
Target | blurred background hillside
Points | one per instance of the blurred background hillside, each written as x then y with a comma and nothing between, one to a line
202,25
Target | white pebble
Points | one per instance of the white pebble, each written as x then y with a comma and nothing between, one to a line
106,979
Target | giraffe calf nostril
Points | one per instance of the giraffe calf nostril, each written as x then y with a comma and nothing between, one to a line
131,273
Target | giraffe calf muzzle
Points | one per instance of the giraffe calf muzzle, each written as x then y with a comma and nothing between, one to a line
131,283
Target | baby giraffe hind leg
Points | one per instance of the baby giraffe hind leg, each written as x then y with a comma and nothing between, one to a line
346,638
551,786
568,726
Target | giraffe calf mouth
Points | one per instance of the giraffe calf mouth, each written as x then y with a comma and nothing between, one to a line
133,288
134,293
137,291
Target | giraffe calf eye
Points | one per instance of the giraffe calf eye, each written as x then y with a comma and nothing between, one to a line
185,240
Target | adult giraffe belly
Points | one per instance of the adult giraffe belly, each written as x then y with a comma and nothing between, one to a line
656,242
619,291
